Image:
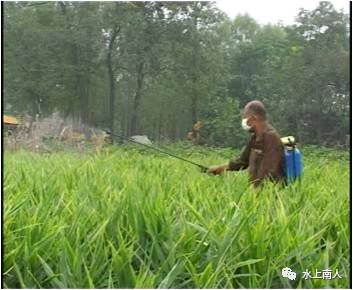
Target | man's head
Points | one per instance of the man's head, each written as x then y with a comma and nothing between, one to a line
254,115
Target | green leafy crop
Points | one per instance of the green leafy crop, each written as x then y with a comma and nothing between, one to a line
126,218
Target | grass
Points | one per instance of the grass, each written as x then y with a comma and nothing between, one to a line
128,218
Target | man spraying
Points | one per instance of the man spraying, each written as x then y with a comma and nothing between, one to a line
264,151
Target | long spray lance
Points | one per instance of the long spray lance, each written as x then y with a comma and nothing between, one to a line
202,167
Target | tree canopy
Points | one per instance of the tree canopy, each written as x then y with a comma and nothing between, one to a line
155,68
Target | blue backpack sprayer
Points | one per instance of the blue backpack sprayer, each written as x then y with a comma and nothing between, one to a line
292,161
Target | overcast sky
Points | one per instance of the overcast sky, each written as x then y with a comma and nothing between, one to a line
273,11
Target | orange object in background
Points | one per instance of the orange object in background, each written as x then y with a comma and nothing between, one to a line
194,135
10,124
9,120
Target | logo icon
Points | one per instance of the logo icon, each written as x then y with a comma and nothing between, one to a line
288,273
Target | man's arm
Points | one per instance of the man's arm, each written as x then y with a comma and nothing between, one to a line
272,156
241,162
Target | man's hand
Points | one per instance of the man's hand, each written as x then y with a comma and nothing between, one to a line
217,169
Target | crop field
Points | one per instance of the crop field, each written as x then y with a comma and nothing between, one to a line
129,218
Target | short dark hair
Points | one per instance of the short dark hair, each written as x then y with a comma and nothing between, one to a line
257,108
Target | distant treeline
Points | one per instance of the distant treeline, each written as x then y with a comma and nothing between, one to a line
155,68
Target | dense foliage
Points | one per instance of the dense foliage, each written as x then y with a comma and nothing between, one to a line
155,68
126,218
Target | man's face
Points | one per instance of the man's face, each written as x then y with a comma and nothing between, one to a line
251,119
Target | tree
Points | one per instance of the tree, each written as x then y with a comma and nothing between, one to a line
156,68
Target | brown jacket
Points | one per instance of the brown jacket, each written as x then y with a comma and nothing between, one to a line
263,156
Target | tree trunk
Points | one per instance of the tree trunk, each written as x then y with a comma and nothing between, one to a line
137,99
173,130
111,78
194,102
82,90
194,97
195,65
85,106
160,123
